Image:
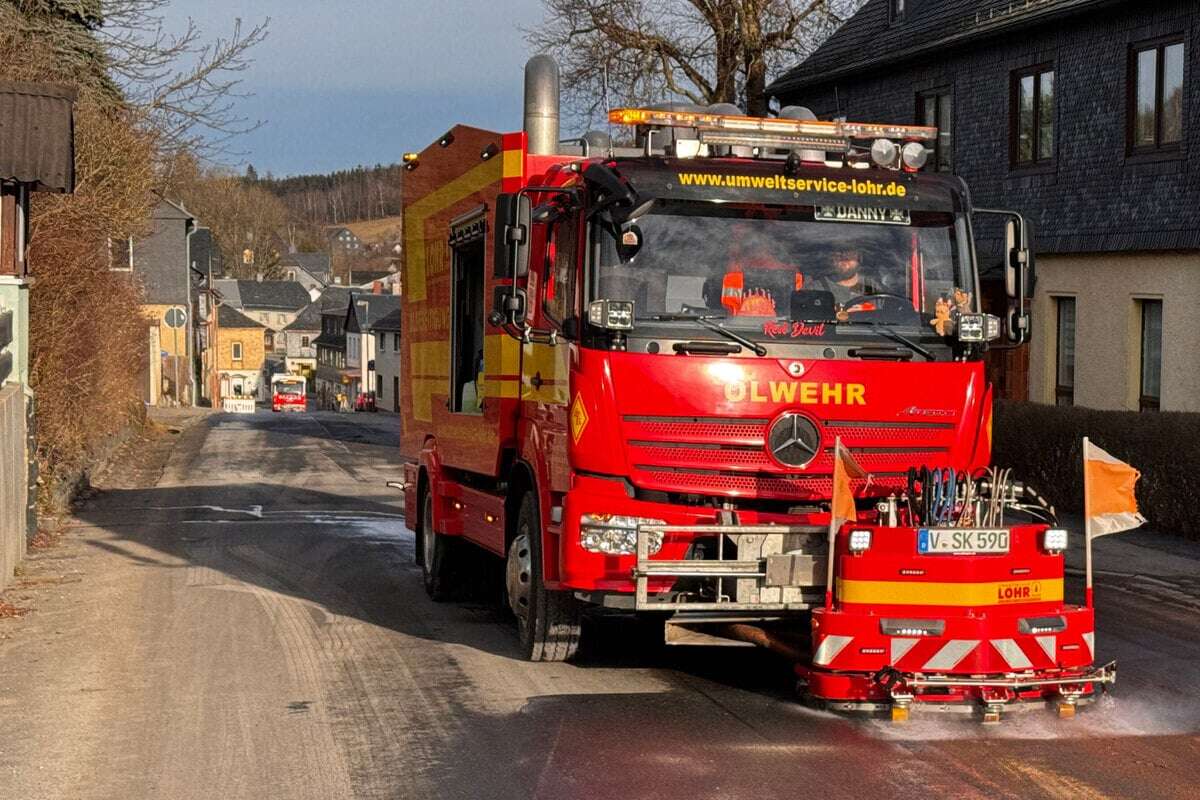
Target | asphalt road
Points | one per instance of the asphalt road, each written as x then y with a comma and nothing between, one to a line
236,614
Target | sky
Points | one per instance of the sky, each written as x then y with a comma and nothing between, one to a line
350,82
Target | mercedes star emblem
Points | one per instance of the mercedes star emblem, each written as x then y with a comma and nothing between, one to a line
794,440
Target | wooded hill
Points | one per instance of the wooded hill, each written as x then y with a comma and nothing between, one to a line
361,193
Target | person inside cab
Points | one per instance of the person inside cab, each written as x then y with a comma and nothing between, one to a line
844,279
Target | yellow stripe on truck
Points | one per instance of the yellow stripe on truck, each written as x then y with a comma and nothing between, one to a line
930,593
417,213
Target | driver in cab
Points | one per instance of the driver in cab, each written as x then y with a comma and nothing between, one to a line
844,280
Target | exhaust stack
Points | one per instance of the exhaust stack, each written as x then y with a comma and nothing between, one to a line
541,105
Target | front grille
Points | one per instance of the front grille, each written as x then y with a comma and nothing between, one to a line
726,456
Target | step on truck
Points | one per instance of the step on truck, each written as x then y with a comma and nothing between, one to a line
628,370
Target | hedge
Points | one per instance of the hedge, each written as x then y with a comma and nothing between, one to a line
1043,446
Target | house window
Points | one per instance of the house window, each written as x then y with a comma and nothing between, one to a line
1032,117
304,341
1151,372
379,340
236,351
239,387
1064,368
396,342
120,254
1156,96
935,109
896,10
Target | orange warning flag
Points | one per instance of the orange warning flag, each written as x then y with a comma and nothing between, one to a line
1109,504
841,506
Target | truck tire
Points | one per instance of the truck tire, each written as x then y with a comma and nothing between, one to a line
438,555
548,622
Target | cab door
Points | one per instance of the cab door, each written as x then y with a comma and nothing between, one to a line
546,366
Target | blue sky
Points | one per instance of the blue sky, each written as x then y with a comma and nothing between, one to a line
361,81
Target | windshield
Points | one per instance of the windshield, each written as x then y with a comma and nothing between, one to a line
769,269
290,388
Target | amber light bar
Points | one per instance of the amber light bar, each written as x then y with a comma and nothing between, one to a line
821,129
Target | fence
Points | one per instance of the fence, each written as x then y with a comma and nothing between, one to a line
13,469
237,405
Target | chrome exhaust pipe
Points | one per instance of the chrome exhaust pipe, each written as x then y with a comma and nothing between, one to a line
541,105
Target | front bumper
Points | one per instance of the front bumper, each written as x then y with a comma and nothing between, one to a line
992,658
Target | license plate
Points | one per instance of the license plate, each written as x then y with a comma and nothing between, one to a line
962,540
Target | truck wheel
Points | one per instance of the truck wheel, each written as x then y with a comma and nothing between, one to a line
437,555
548,622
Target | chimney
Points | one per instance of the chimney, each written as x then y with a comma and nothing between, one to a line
376,287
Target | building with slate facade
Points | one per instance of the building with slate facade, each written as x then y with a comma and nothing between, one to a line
1083,115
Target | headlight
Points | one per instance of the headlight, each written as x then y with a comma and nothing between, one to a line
860,541
616,535
1054,540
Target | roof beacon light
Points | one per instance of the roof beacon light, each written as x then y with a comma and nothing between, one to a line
884,152
914,155
772,131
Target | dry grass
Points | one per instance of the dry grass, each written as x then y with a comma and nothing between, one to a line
384,231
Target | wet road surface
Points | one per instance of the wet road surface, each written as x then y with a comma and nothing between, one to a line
237,614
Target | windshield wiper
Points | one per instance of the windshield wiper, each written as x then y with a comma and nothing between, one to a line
706,321
895,337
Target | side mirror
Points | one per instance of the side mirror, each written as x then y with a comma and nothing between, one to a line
513,217
1016,258
517,235
508,305
1017,261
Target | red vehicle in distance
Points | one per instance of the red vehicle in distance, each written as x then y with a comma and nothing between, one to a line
289,393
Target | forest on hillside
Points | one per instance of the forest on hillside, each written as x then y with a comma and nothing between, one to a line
361,193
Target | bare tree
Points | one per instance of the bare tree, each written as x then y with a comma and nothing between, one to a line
186,87
702,51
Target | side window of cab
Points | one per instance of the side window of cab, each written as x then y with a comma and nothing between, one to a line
561,271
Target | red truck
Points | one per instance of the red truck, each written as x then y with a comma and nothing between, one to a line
289,392
626,372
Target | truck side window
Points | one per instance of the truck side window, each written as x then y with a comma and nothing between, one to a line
558,294
467,249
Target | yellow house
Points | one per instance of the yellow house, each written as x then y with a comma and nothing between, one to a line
240,354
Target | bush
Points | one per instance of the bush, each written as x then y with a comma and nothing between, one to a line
1043,445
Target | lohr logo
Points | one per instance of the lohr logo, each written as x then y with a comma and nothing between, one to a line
1024,592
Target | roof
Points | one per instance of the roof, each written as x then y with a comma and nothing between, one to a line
315,264
228,289
378,306
37,135
169,209
362,277
334,299
388,322
230,317
869,38
308,319
285,295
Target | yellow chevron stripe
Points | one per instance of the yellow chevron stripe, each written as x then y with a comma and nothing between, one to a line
416,214
930,593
